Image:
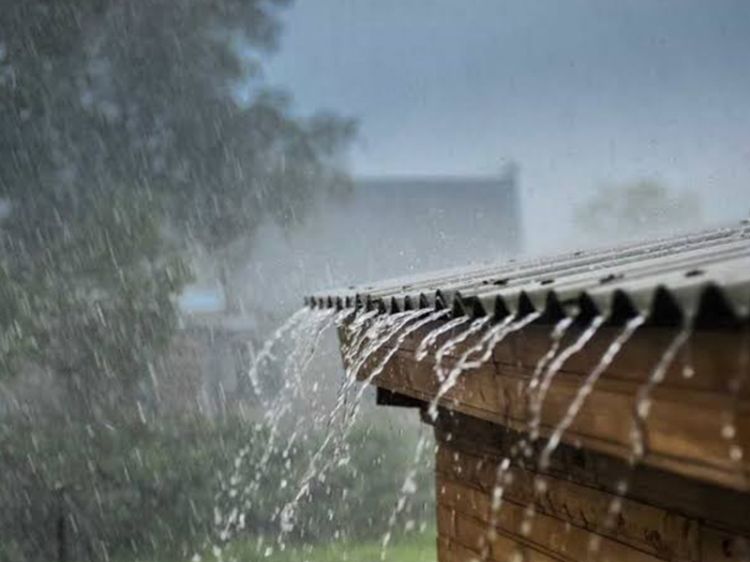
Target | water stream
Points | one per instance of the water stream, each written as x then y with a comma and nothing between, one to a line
384,328
502,476
266,352
429,340
583,392
537,399
494,337
638,435
408,488
587,387
303,330
451,344
371,339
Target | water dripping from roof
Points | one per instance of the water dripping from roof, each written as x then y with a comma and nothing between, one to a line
587,387
304,330
430,339
638,435
537,399
503,330
266,351
377,334
408,489
451,344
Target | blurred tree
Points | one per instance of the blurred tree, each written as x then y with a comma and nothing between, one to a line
124,143
638,209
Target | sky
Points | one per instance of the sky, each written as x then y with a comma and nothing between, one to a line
579,93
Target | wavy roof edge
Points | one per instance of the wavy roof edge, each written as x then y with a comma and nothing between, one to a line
703,276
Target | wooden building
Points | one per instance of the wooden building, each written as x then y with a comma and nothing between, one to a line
635,359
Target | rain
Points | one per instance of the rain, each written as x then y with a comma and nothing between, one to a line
404,281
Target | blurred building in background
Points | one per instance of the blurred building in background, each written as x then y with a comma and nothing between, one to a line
385,227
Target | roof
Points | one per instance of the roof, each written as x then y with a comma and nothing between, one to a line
408,186
703,276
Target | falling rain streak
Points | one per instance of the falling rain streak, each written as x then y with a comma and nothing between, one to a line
370,340
587,387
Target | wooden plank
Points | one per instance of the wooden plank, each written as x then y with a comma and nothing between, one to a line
446,519
647,528
688,499
713,355
501,546
476,446
546,538
451,551
684,429
718,546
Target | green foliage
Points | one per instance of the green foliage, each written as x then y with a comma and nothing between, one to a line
418,547
123,489
352,499
90,298
363,491
131,490
142,95
124,143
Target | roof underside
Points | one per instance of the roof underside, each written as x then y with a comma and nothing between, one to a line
704,277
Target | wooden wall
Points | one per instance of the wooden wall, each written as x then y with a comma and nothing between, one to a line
685,429
688,499
663,516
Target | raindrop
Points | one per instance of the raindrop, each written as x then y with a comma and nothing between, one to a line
587,387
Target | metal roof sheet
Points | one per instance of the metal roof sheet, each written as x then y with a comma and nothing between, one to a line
704,276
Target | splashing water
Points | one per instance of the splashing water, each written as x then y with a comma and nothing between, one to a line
381,333
537,400
372,339
736,384
302,354
642,406
305,329
494,337
587,387
266,352
431,338
451,344
408,488
358,331
502,475
641,411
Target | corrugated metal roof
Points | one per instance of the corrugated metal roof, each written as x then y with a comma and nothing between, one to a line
704,275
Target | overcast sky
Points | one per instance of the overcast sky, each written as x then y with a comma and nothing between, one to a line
579,93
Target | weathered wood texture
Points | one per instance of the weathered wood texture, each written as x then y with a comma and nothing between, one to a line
663,516
698,425
687,498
